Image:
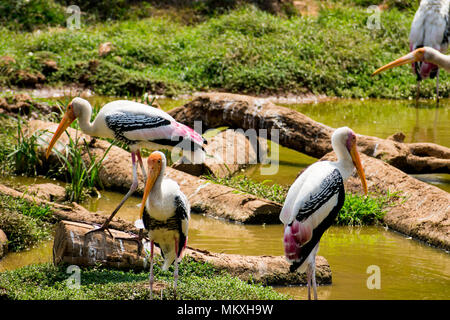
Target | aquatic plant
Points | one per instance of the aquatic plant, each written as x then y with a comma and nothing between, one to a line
82,175
25,155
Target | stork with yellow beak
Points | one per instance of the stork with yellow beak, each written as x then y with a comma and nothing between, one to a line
313,202
425,54
164,213
137,125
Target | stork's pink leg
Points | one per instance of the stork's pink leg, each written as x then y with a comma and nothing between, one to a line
151,270
129,193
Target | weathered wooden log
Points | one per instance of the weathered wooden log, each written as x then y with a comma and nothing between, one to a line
227,153
73,247
205,197
422,212
298,132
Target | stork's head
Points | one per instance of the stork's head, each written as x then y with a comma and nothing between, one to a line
73,111
345,138
417,55
156,163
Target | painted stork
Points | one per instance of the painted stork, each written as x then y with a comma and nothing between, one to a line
429,29
164,213
426,54
313,202
137,125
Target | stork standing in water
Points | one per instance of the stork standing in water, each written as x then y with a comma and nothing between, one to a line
429,29
313,202
165,213
137,125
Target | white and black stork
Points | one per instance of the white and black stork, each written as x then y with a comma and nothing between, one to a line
429,28
137,125
313,202
165,213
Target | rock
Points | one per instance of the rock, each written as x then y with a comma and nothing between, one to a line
27,79
423,212
48,191
7,60
49,66
227,153
105,48
204,196
298,132
72,247
398,137
3,244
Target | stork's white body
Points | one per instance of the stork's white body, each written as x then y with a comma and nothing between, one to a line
313,202
429,26
137,138
161,205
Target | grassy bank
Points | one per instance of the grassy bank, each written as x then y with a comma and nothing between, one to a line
244,50
196,281
357,209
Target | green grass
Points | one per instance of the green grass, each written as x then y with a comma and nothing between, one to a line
196,281
25,224
357,209
244,50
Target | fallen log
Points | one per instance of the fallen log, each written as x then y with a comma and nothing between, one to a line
204,197
298,132
227,153
422,212
72,247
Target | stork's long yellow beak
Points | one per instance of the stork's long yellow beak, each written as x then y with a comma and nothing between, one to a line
67,119
357,162
154,169
415,56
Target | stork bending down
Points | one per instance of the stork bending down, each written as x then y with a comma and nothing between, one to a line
165,214
313,202
137,125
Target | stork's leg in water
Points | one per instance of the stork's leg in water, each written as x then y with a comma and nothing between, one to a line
417,93
175,273
151,270
437,87
129,193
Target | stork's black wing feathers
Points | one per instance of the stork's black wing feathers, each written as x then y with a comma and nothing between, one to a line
122,122
329,187
333,184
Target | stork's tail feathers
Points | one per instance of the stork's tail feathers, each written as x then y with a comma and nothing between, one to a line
296,235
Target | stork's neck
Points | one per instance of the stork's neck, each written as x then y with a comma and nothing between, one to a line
157,187
344,162
437,58
84,120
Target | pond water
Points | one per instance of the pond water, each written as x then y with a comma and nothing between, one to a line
409,269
